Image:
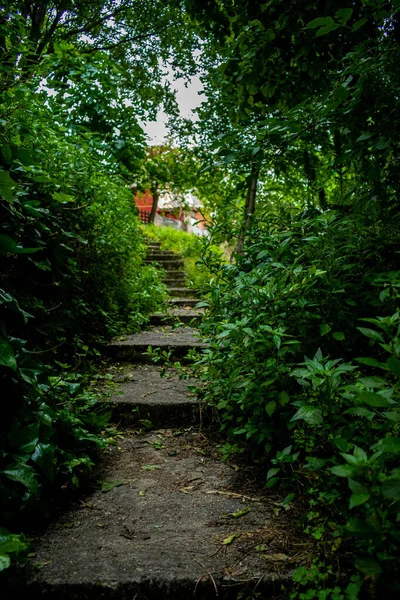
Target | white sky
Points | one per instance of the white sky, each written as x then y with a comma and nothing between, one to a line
188,99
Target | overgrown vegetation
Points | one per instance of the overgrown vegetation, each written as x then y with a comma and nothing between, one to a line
71,268
304,325
296,154
307,384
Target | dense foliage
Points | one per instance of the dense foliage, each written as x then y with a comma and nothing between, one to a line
297,302
296,158
304,324
71,262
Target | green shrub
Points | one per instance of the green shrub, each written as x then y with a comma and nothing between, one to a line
302,296
72,276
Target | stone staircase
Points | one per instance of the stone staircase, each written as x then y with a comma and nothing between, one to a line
182,302
167,519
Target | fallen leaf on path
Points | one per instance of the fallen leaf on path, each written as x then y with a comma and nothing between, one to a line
198,450
231,539
107,486
276,557
238,514
187,490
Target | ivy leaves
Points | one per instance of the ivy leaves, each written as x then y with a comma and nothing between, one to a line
7,357
326,24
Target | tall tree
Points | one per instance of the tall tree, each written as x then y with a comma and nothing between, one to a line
307,89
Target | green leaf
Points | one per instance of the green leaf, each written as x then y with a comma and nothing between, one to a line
23,474
11,543
360,493
327,29
283,398
44,457
238,514
392,415
373,399
359,528
360,23
272,473
9,246
227,541
394,365
5,562
371,362
324,329
371,333
6,152
272,482
314,464
270,408
343,470
391,489
7,357
107,486
373,381
364,136
320,22
344,14
7,185
368,566
360,454
63,198
358,499
360,411
229,158
338,335
24,439
340,93
389,444
341,443
309,414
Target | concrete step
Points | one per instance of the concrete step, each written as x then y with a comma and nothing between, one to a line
158,528
160,256
142,394
182,315
184,302
175,283
176,274
179,292
167,264
132,347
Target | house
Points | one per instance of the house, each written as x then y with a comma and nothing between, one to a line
181,211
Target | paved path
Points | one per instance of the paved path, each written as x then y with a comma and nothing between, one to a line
169,519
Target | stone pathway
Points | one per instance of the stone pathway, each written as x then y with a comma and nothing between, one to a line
169,519
182,302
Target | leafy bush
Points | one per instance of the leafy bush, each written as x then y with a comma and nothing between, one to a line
71,250
299,297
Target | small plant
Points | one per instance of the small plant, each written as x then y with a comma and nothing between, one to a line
314,583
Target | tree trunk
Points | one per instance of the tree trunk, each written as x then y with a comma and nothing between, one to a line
156,195
249,208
